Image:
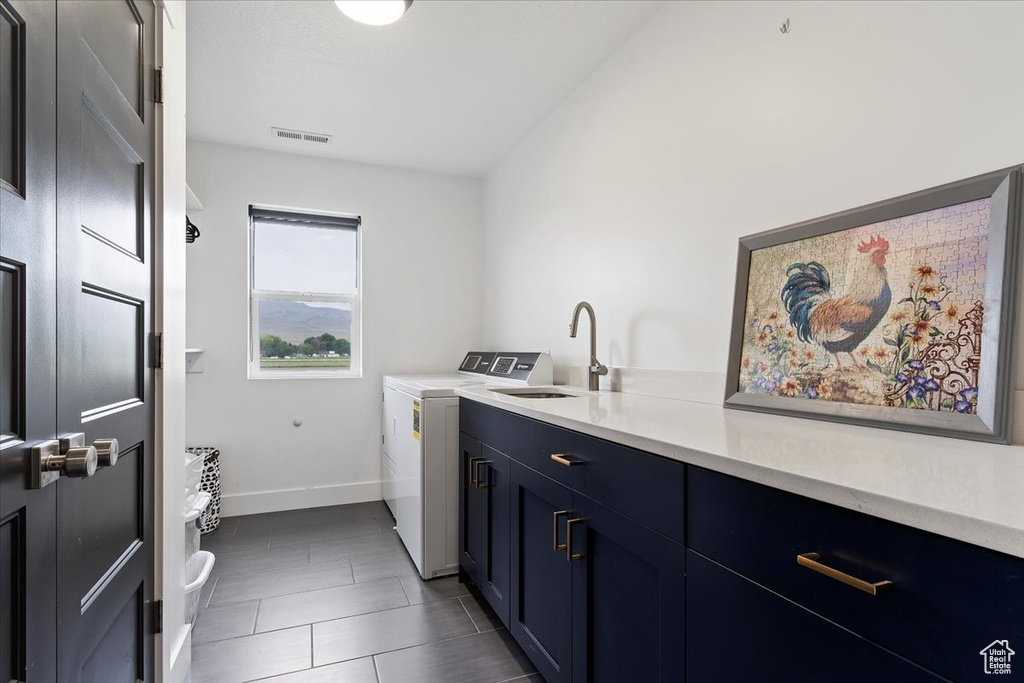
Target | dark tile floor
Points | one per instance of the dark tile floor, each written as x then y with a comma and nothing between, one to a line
329,595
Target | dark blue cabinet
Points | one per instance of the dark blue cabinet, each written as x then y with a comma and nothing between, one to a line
945,599
739,631
470,520
540,618
610,564
629,599
484,487
596,596
494,485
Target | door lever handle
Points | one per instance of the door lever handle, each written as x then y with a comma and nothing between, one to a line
107,450
49,461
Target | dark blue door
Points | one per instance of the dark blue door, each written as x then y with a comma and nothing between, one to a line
470,520
541,591
494,485
629,599
739,631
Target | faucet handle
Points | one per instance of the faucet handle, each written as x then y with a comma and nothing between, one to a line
599,369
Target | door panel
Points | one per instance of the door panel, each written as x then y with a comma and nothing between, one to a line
629,599
104,387
12,96
494,505
112,358
112,183
116,655
114,32
11,334
28,627
540,608
108,530
470,516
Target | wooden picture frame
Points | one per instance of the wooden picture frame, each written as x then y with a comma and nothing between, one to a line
949,379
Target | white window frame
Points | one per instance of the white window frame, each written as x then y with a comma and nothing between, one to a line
355,369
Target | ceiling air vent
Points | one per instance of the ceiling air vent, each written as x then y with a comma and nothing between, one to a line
302,136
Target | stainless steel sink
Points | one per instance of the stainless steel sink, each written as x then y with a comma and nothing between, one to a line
534,393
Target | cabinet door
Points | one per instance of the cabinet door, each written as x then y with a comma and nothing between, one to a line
740,631
494,485
470,520
541,596
629,599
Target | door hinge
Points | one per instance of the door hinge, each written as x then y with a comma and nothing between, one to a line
158,85
156,350
158,616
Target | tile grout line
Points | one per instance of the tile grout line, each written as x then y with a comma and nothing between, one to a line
312,659
426,644
413,647
213,589
256,619
376,670
351,616
281,595
466,610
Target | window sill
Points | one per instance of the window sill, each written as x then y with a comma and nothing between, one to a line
312,374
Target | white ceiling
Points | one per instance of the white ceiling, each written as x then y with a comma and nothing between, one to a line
452,87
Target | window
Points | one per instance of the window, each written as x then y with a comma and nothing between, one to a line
304,314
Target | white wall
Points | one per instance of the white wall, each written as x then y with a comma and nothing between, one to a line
174,652
709,124
421,302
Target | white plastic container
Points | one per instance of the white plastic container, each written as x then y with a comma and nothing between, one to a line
200,562
197,570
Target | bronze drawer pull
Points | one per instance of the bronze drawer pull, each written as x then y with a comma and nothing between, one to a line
810,560
555,545
471,471
476,473
569,554
563,459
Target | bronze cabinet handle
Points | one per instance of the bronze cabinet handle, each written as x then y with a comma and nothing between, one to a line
471,471
569,554
476,473
563,459
555,545
810,560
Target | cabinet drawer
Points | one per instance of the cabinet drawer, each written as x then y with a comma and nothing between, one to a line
738,631
947,599
641,486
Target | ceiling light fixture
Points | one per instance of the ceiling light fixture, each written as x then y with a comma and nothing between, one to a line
374,12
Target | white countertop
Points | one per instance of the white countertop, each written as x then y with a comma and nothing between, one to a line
966,490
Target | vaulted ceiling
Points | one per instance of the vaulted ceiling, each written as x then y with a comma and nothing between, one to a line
452,87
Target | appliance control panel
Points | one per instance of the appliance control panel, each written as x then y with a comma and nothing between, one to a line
528,368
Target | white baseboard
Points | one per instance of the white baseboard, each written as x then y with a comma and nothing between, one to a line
233,505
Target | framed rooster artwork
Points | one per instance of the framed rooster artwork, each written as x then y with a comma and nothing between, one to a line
899,315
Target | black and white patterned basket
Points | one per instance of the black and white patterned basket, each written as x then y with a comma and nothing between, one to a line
210,519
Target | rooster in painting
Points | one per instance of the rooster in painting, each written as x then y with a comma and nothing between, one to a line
840,324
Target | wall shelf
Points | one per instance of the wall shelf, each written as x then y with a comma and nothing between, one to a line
192,202
193,360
